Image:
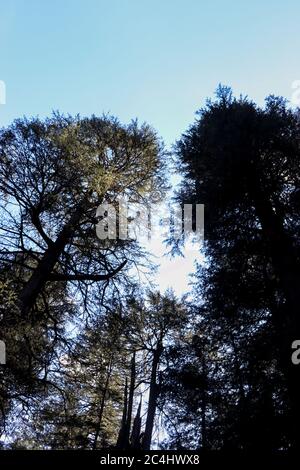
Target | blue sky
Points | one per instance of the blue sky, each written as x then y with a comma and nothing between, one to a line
156,60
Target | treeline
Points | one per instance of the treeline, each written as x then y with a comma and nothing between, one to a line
97,358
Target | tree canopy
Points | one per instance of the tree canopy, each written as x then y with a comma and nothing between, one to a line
97,358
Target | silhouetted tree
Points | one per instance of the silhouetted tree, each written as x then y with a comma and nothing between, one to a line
242,162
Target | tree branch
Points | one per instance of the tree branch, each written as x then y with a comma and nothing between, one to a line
87,277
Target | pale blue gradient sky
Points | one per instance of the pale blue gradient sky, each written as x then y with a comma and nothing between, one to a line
156,60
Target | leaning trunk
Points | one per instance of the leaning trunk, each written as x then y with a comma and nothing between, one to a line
37,281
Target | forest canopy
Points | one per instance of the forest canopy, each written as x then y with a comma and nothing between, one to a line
97,357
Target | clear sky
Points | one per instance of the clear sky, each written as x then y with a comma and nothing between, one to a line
156,60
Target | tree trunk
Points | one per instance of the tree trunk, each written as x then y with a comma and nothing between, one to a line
135,440
102,404
204,443
153,394
121,438
130,402
51,256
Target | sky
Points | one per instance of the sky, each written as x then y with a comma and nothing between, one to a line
155,60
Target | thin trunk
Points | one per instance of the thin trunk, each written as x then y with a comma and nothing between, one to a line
130,401
204,405
153,394
102,404
135,440
121,438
